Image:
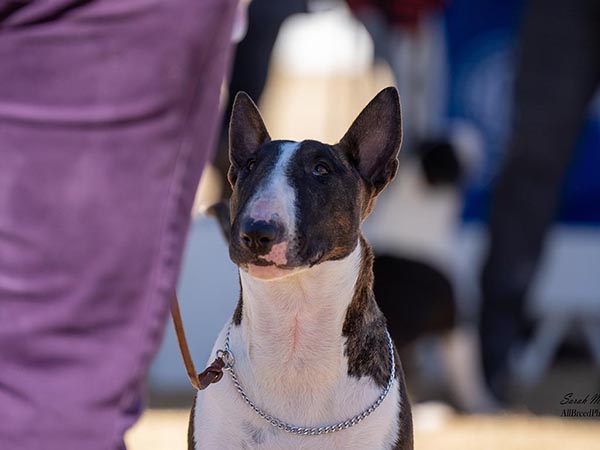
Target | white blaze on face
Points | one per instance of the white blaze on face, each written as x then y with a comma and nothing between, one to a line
276,200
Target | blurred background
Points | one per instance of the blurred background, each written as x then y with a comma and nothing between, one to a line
499,176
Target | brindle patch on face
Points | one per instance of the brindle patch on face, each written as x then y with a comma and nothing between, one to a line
329,206
365,327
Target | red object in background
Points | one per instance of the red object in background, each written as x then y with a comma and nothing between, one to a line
399,12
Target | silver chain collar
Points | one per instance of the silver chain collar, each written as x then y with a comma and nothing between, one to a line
227,356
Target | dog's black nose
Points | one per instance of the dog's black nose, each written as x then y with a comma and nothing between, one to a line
258,236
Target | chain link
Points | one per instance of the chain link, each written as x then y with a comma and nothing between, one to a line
227,355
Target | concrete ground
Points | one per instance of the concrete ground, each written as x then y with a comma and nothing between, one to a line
163,429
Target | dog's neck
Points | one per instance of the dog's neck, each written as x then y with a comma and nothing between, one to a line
295,324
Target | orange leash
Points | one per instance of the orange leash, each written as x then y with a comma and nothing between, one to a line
213,373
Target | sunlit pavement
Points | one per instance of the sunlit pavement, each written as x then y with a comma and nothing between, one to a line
167,430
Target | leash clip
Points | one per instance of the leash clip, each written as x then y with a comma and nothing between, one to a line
227,357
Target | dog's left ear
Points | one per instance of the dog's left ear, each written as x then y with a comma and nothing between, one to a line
374,138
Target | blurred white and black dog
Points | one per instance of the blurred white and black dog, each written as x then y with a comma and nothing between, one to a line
414,232
312,354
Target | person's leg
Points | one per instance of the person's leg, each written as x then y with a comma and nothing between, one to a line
557,74
107,111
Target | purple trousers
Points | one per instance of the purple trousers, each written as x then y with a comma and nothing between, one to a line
108,109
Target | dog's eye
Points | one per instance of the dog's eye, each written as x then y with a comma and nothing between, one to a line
321,169
250,164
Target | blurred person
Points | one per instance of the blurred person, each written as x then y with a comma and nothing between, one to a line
558,72
107,111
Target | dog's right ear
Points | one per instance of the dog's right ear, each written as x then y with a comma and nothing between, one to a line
247,133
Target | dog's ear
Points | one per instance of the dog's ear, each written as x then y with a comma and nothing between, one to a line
247,133
374,138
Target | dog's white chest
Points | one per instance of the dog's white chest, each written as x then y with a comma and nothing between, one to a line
223,420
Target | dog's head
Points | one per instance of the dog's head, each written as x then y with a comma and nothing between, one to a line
296,204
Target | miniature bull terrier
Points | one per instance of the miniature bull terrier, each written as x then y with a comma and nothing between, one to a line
310,363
